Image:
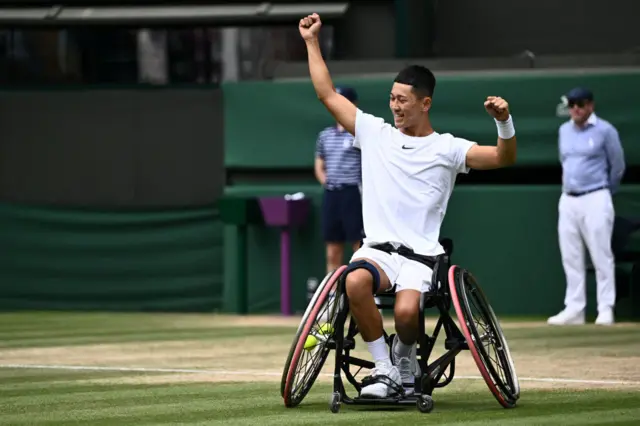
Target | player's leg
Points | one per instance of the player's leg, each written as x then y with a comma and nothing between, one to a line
406,312
599,218
332,230
413,280
572,253
360,291
361,285
353,225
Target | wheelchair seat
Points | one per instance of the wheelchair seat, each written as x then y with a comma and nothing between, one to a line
440,265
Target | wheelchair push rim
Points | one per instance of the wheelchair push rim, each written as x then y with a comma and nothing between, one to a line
486,341
304,365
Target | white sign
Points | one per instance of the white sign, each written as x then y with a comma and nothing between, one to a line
562,109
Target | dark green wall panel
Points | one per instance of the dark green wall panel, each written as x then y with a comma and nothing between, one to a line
53,258
275,124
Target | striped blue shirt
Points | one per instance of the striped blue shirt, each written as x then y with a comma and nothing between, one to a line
591,156
341,158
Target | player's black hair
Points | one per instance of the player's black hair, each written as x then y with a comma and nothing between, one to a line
420,78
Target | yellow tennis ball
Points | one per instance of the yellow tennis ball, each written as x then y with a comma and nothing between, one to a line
326,329
310,342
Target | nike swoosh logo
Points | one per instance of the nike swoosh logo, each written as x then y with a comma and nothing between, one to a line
407,147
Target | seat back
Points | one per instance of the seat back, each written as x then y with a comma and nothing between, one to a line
441,270
439,278
447,245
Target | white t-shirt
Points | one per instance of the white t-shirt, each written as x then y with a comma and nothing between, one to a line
406,182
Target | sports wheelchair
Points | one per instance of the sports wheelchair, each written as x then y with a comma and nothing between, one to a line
322,329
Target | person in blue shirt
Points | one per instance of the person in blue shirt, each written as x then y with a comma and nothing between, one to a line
592,167
338,169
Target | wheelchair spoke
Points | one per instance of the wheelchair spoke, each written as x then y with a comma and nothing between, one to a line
303,379
327,315
309,358
478,322
314,340
317,352
492,349
489,340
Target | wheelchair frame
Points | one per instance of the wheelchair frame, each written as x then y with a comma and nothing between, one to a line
436,374
431,373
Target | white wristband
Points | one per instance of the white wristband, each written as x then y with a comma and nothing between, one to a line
505,128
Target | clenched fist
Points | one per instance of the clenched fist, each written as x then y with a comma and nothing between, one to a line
497,107
309,26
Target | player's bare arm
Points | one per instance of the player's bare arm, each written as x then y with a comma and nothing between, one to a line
504,153
319,170
340,107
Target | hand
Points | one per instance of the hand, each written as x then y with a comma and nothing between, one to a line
497,107
309,26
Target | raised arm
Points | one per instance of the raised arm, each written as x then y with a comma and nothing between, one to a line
340,107
503,154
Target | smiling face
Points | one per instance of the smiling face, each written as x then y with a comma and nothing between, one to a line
408,106
580,110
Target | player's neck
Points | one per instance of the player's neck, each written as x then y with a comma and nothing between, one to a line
422,129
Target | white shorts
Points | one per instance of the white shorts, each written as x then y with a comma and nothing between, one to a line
406,274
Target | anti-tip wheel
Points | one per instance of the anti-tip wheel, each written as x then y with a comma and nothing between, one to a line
334,405
425,403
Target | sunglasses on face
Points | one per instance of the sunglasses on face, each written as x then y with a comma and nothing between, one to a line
579,104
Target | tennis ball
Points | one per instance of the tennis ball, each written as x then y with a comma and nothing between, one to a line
311,342
326,329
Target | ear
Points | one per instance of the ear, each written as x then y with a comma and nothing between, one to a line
426,104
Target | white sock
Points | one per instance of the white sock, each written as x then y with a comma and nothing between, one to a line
379,351
402,350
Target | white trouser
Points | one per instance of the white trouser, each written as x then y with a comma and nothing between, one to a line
589,219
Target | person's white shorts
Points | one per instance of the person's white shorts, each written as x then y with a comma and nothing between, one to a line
406,274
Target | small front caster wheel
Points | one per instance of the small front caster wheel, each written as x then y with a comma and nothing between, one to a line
334,405
425,403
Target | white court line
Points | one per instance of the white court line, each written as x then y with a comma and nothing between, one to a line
139,369
275,374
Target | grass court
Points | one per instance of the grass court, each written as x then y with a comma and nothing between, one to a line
197,369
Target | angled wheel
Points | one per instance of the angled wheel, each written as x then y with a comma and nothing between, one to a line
484,336
309,349
425,403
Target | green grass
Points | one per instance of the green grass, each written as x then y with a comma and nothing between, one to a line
73,338
35,396
27,403
71,329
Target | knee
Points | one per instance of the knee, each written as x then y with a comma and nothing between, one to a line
406,312
359,284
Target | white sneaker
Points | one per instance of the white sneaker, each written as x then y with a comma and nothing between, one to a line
407,366
387,382
605,317
567,317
